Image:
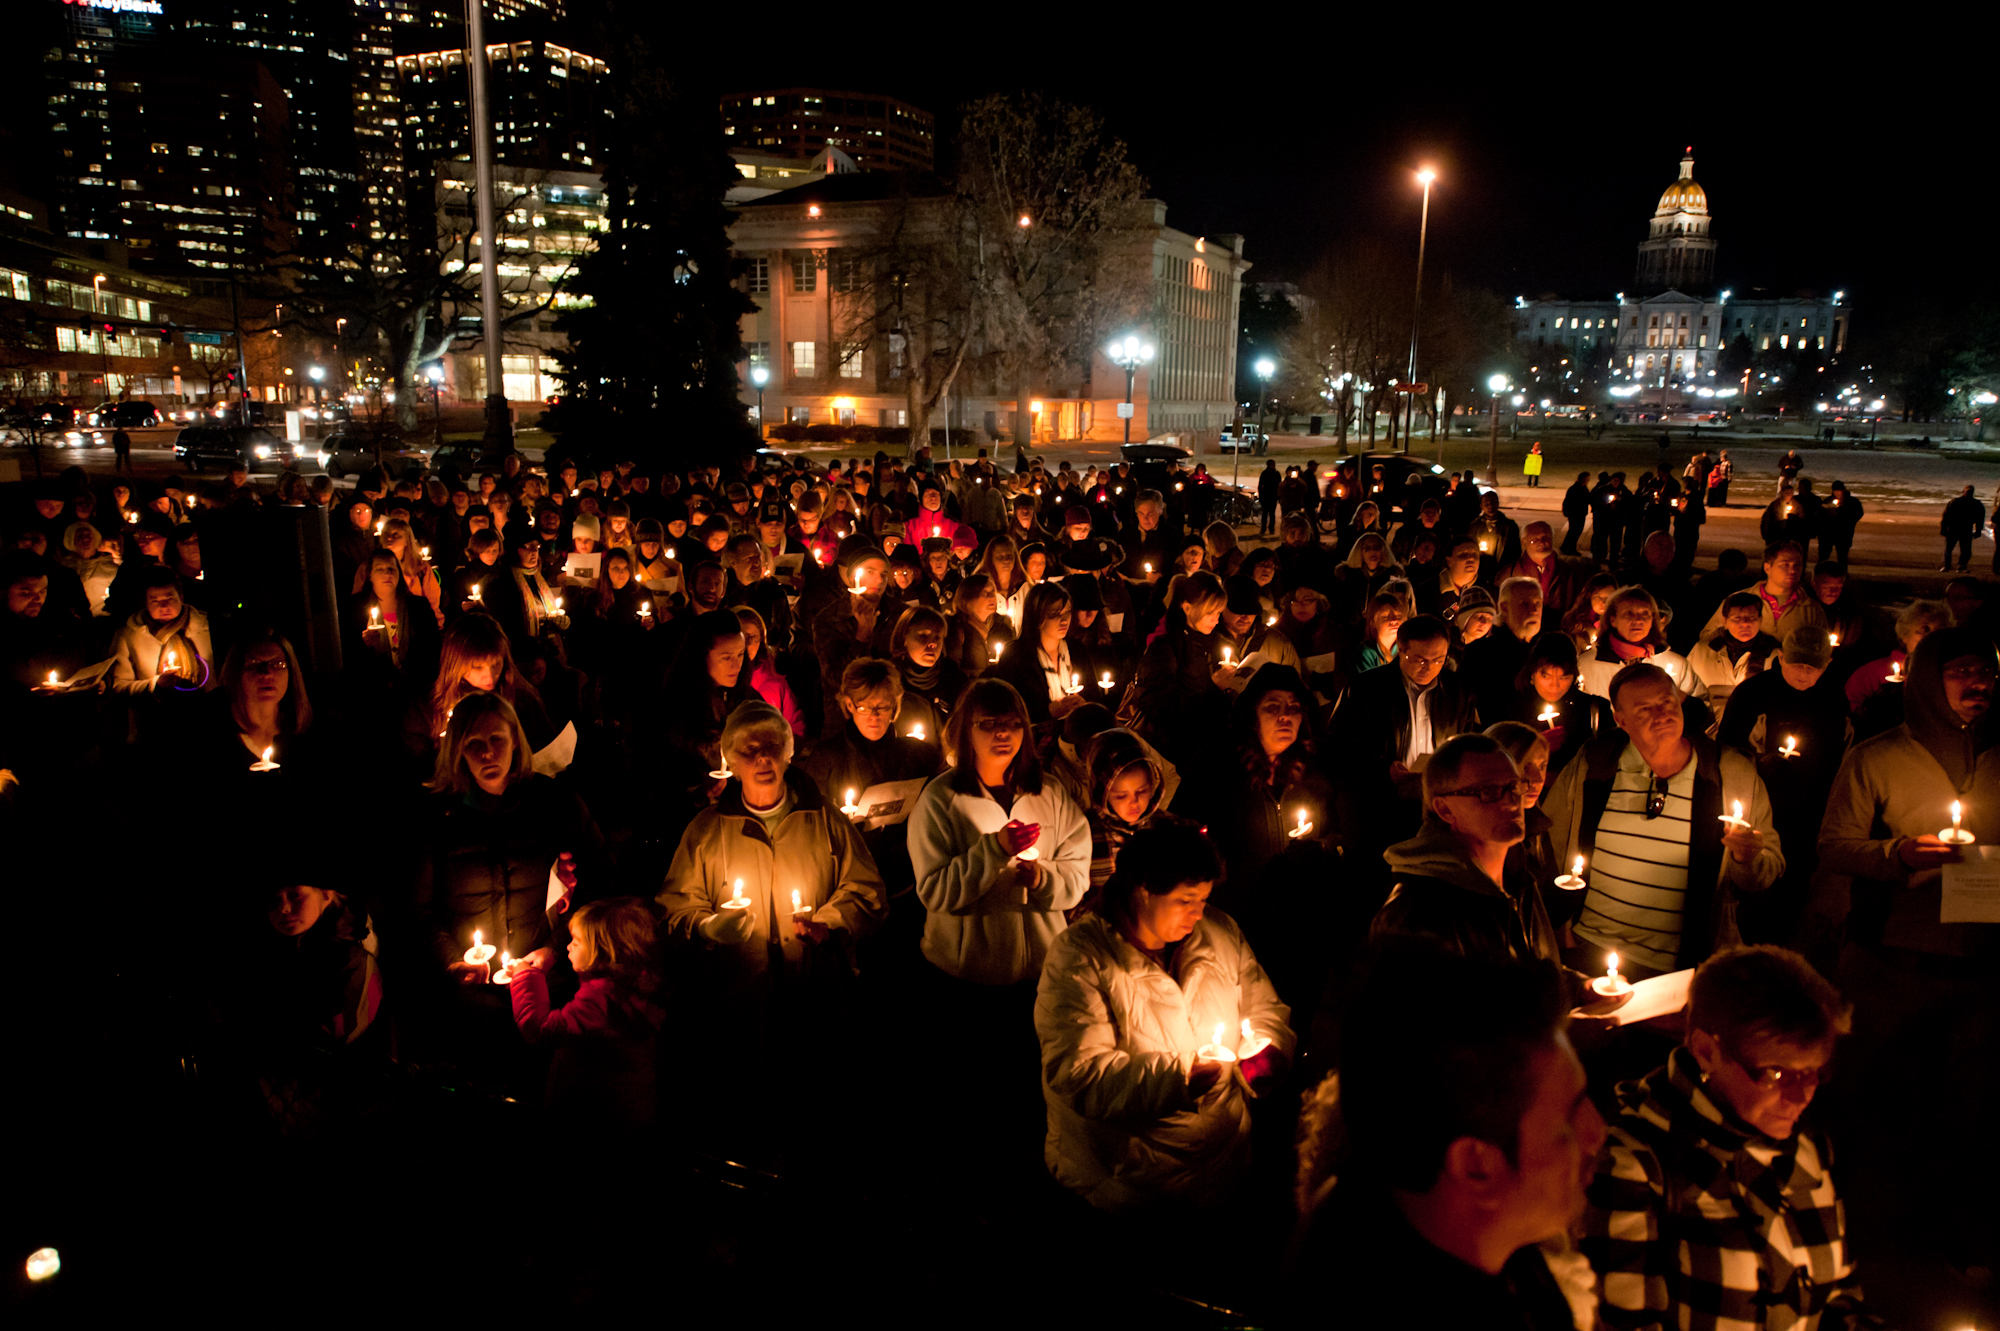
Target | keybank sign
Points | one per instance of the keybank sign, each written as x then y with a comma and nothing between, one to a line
123,6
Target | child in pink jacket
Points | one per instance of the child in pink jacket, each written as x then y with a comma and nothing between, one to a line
602,1069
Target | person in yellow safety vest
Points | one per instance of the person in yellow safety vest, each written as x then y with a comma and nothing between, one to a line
1531,465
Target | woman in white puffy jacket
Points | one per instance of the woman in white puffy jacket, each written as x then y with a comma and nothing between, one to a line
1134,1000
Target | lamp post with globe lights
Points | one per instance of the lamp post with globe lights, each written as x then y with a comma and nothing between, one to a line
1129,353
1265,368
760,376
1495,385
318,375
435,373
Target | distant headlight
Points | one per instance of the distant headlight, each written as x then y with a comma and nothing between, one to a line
262,450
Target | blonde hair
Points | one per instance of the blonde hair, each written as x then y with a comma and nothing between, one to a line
613,933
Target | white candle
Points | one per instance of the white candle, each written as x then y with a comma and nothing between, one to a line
1956,835
480,952
1547,715
503,975
917,731
798,905
1253,1043
1833,639
1734,818
1611,984
857,588
52,679
645,609
739,901
1215,1051
475,591
1573,880
265,764
1104,682
1075,684
1149,567
1791,749
1226,653
1304,826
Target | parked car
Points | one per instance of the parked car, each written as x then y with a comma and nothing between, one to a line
466,458
1246,440
1397,468
201,445
126,416
350,454
55,413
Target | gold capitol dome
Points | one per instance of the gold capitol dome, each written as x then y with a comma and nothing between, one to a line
1684,195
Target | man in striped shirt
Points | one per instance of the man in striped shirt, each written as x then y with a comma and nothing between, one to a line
1670,826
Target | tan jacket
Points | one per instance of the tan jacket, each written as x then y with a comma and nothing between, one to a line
1119,1036
821,856
138,655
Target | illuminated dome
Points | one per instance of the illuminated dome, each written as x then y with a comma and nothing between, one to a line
1684,195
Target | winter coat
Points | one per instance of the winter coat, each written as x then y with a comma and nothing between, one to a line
815,852
487,862
1803,610
602,1071
1599,665
1173,699
776,690
1439,893
978,928
138,653
847,762
1119,1036
1711,664
1696,1220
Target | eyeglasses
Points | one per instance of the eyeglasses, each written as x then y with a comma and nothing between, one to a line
886,713
276,665
1773,1078
1484,794
1656,798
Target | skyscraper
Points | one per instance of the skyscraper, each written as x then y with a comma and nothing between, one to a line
879,133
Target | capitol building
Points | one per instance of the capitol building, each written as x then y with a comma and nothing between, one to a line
1667,333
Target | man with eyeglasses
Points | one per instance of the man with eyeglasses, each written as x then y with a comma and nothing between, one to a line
1388,725
1452,880
1645,805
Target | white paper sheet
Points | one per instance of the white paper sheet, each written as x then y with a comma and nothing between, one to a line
89,675
1660,996
889,803
788,566
560,753
1115,620
1322,663
1972,888
581,570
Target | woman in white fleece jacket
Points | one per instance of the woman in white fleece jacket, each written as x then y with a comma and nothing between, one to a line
1130,998
990,914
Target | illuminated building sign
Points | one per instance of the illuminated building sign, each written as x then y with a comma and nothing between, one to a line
123,6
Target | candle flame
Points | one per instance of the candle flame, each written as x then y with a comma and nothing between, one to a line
1225,655
850,798
1302,820
645,607
1248,1034
1957,812
1613,959
1221,1029
267,753
1578,868
477,938
797,905
1833,639
916,732
505,961
52,677
1737,805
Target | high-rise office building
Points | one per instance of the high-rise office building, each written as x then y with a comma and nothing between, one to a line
879,133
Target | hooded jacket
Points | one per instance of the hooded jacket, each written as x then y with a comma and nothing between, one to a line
1901,784
1118,1038
1441,894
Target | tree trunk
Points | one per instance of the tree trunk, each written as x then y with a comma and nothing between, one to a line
1024,419
920,415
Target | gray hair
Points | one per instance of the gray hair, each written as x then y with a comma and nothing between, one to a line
757,720
1917,612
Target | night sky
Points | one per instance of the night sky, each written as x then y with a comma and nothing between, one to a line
1538,192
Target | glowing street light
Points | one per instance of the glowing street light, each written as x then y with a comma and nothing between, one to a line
759,375
1265,368
1424,177
1129,353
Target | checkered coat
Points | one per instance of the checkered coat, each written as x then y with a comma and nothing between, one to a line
1699,1224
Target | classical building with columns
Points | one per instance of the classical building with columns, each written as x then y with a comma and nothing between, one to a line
1668,332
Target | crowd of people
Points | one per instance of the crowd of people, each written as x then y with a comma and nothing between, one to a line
1170,857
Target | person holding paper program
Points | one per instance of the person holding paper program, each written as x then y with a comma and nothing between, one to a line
1925,990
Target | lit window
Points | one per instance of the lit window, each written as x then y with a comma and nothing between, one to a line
803,360
850,362
805,273
757,277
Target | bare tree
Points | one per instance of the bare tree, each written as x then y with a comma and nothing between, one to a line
1046,196
1353,333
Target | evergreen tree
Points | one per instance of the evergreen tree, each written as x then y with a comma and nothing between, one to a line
652,361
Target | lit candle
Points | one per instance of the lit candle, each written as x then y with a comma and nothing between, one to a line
857,588
670,553
1226,653
723,773
1149,567
265,764
1791,749
850,808
1735,817
1573,880
1956,835
426,552
1611,984
1547,716
798,904
645,609
917,731
1484,548
1833,639
1270,621
559,605
1104,682
504,975
998,647
475,591
173,661
1075,684
374,618
480,952
134,517
378,527
1895,674
739,901
1215,1051
52,679
1305,826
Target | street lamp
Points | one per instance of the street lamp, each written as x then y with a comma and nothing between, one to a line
1265,369
1496,385
436,375
760,376
318,375
1129,353
1424,177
